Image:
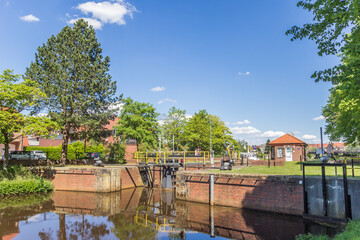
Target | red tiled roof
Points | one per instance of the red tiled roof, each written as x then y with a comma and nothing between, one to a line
335,145
286,139
49,142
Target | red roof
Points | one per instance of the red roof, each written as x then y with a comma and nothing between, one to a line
287,139
49,142
335,145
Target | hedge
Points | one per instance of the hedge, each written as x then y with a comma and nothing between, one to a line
76,147
23,186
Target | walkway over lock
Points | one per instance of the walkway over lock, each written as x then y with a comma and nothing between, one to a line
185,158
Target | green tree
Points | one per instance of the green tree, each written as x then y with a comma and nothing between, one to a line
267,147
336,30
197,132
72,72
138,121
174,125
15,98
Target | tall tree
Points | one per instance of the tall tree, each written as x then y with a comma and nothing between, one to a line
174,126
336,30
15,98
267,147
197,132
72,72
138,121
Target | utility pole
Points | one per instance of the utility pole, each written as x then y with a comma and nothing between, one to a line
322,146
211,151
173,143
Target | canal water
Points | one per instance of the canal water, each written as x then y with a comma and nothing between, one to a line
139,214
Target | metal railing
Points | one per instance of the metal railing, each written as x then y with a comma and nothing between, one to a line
201,157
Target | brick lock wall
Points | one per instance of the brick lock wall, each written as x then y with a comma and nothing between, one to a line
95,179
130,178
271,193
75,180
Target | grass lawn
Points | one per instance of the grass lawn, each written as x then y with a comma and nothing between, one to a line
292,168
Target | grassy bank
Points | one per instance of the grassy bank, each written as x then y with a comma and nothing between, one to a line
351,232
290,168
19,180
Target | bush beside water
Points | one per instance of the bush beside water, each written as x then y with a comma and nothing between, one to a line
19,180
351,232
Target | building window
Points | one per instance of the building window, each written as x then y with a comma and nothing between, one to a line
280,152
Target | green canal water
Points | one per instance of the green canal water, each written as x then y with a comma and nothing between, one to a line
139,214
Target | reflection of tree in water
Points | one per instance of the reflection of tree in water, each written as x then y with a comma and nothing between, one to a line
86,230
46,235
76,230
125,228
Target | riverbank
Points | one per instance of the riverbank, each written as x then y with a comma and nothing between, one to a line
19,180
352,231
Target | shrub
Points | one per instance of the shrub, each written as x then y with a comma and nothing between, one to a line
14,171
23,186
116,152
76,148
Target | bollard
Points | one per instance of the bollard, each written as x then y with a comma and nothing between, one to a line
352,167
211,196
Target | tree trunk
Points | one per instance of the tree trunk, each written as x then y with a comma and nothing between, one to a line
6,143
85,144
6,159
64,145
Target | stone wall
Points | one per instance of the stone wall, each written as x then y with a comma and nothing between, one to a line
281,194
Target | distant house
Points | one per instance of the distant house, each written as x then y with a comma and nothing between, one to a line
288,148
329,147
131,145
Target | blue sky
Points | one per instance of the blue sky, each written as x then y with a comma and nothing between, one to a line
229,57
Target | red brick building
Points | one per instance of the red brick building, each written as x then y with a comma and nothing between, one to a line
288,148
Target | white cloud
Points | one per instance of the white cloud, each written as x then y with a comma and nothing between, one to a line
246,73
271,134
244,130
158,89
93,22
188,116
30,18
238,122
107,12
319,118
308,137
166,100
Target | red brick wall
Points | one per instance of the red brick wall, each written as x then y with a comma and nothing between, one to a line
129,152
130,178
297,154
272,193
75,180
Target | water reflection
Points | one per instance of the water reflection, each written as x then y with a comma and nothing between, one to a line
140,214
